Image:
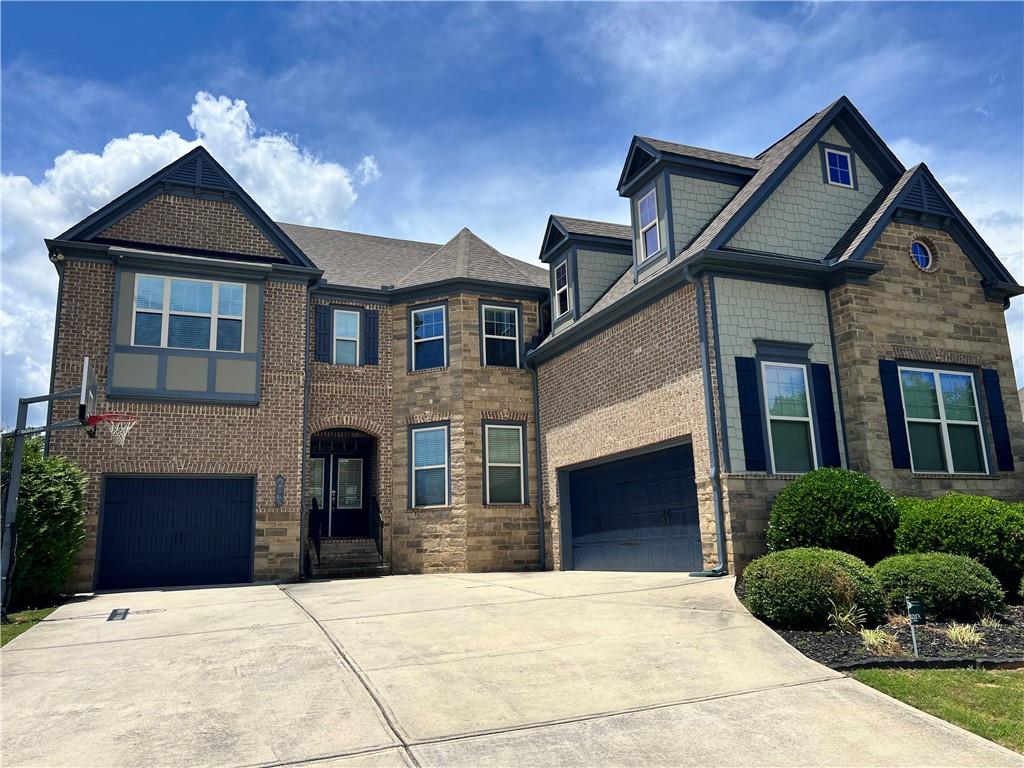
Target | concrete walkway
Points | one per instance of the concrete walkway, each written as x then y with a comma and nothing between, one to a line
523,670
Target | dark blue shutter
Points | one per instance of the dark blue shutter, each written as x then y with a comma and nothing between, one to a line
997,419
825,413
889,375
371,336
322,333
750,414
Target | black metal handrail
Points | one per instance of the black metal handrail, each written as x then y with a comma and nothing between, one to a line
377,528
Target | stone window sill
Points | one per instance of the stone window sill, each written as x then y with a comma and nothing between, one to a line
427,370
953,476
508,506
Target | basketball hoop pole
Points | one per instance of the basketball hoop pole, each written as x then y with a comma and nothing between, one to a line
21,431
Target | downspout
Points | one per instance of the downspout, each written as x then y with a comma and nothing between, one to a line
542,559
305,437
716,487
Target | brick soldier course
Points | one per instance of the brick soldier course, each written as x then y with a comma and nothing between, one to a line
800,261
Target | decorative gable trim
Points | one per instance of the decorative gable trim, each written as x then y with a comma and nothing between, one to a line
195,174
639,157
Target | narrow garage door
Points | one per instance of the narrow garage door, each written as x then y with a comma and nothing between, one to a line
175,531
636,514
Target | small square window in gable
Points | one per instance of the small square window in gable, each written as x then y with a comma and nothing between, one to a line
839,167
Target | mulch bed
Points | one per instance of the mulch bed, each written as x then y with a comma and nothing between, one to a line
1001,644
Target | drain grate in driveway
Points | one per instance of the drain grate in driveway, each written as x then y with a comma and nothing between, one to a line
118,614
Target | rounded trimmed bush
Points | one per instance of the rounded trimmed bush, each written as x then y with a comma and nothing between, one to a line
791,589
986,529
949,586
834,509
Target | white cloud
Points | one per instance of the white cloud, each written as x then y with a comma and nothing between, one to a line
368,171
290,183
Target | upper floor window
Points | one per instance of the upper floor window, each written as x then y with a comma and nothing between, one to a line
790,431
562,301
943,425
429,466
346,337
182,313
838,167
501,336
429,348
650,236
922,255
503,452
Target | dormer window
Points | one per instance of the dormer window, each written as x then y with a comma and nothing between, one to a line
562,302
839,168
650,236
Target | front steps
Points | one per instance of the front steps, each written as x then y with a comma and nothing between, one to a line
345,558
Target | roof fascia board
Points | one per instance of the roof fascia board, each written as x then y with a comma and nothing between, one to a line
430,291
553,224
686,166
868,145
591,243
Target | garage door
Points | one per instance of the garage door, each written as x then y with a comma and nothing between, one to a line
175,531
636,514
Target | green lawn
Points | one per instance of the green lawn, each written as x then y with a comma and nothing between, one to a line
22,621
988,702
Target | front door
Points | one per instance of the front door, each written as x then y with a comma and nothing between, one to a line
340,483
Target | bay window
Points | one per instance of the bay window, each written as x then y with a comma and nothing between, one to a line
182,313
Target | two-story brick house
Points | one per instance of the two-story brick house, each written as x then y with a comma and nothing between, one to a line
634,406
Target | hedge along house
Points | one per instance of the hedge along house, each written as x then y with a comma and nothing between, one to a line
274,364
816,305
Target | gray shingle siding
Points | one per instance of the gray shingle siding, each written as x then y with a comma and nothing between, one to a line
597,271
694,203
805,217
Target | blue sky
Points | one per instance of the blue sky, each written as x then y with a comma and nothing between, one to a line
416,120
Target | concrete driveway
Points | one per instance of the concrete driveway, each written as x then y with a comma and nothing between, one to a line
542,669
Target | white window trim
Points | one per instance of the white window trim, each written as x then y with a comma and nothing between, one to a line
486,335
488,463
655,224
443,336
913,257
849,165
337,338
568,296
165,313
415,469
808,419
942,421
337,474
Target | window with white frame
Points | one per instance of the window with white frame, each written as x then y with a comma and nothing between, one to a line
943,423
503,457
430,466
839,167
563,303
182,313
788,409
501,336
429,349
346,337
647,214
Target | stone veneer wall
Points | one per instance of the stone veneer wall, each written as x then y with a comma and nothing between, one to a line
187,438
467,535
636,384
188,222
937,317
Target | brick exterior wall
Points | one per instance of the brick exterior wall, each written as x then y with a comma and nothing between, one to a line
636,384
183,438
188,222
936,317
467,535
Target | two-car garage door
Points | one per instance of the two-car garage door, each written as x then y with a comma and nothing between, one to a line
175,531
635,514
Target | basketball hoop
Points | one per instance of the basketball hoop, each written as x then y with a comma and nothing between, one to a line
117,424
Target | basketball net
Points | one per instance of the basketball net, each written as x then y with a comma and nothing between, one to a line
118,425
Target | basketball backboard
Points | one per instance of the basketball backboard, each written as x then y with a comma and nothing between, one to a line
87,398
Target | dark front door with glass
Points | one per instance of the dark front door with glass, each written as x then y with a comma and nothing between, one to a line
339,483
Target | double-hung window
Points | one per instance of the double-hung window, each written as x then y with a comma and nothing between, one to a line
501,336
943,423
563,303
430,466
788,408
346,337
182,313
503,452
839,168
429,349
650,236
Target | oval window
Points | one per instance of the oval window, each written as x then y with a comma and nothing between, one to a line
922,255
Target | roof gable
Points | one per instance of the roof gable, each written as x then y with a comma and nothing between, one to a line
467,256
639,157
562,230
196,174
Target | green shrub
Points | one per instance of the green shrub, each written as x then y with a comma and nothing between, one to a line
797,588
834,509
50,525
989,530
950,586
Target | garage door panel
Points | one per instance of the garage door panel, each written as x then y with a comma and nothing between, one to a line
637,514
175,532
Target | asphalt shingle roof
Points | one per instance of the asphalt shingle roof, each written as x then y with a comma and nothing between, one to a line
594,228
466,255
878,207
700,153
